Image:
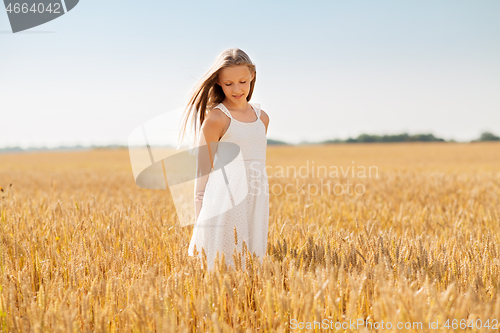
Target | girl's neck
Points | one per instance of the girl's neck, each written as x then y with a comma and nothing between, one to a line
236,107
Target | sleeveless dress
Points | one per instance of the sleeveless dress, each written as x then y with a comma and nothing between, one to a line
236,195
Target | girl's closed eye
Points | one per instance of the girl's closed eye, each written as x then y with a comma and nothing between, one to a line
228,84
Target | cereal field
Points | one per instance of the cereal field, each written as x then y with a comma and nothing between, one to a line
413,241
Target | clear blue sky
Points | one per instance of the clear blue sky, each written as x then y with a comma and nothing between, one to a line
325,69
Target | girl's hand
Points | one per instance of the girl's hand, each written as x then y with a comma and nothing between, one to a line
198,203
199,196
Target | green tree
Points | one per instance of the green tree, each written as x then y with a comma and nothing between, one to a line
488,136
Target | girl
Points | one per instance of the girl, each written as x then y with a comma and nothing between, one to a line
231,188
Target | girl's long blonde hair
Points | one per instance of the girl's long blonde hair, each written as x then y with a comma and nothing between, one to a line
207,93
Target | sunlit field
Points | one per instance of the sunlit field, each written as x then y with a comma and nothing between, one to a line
414,243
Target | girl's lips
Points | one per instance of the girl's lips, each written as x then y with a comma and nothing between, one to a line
238,96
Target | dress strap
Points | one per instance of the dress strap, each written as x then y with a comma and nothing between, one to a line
224,109
256,107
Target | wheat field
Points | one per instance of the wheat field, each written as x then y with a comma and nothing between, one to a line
84,249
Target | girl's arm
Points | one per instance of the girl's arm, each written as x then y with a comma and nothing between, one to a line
210,132
265,119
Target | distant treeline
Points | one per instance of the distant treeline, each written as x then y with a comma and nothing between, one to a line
389,138
487,136
362,138
405,137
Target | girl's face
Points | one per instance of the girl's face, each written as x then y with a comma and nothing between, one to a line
235,82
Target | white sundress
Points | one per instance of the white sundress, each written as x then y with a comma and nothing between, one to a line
236,195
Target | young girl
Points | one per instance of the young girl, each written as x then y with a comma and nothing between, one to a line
231,188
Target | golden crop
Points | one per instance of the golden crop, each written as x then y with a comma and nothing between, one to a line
85,249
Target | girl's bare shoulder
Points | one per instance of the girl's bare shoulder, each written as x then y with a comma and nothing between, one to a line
216,115
265,118
215,123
